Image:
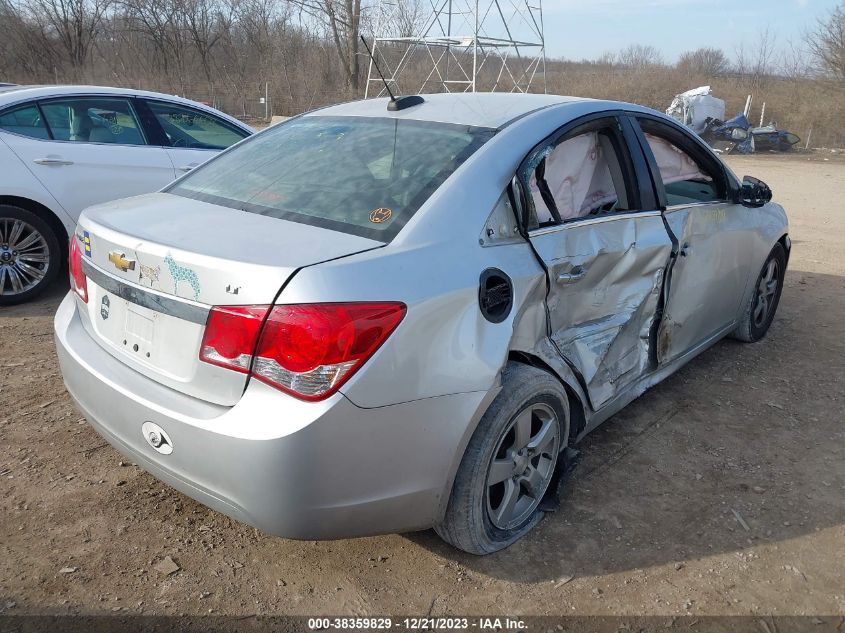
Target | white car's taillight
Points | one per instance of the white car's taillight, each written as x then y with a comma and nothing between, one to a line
78,282
306,350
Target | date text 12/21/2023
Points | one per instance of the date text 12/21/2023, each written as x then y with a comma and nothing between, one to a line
418,623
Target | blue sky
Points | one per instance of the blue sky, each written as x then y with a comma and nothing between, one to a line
577,29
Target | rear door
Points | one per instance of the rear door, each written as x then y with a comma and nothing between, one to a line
707,279
191,136
94,151
594,223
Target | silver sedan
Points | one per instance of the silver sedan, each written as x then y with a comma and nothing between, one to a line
383,317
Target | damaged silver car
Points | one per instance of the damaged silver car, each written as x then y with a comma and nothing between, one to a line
390,316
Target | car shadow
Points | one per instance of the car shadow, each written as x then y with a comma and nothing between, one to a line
44,304
740,447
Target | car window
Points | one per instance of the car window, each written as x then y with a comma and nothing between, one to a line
361,175
26,121
93,120
577,177
685,180
194,129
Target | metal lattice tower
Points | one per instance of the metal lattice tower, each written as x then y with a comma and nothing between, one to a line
461,46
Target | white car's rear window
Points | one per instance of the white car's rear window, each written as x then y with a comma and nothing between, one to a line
360,175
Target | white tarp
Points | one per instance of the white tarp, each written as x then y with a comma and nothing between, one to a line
694,106
578,176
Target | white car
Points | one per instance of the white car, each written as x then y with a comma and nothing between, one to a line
65,148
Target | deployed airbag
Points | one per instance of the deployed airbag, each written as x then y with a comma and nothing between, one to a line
578,178
674,164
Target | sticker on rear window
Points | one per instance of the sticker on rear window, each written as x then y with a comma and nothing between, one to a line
382,214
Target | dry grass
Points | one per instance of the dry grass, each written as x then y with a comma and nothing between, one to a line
797,104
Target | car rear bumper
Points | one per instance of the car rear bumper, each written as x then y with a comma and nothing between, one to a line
290,468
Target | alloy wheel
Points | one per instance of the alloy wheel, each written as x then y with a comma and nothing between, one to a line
24,256
766,291
522,466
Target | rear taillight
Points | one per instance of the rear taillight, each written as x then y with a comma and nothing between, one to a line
230,336
308,350
78,282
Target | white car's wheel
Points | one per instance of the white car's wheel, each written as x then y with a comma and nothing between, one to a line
30,255
509,463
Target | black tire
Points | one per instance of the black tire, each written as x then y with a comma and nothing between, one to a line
752,325
468,524
8,294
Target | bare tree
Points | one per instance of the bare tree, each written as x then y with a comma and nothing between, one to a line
163,22
410,16
343,21
257,20
75,24
793,62
827,43
25,48
640,56
757,63
206,21
305,54
711,62
607,58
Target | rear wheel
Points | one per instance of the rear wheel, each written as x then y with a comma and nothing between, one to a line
761,306
30,255
509,463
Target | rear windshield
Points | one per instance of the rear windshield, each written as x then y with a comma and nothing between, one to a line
360,175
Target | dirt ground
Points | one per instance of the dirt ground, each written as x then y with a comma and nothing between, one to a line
721,491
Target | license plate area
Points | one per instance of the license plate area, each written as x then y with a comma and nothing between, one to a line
139,336
139,331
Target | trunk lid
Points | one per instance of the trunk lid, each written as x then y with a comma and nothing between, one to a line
156,264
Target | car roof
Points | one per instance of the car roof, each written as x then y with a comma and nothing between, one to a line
480,109
15,94
7,88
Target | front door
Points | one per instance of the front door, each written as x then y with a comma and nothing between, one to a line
193,136
605,255
708,276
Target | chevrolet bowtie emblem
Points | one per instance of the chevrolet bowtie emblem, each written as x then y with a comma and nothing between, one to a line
120,261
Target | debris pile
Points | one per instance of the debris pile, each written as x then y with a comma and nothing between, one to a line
695,107
731,136
705,115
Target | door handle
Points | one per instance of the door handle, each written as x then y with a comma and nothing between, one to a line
187,168
574,275
686,249
52,161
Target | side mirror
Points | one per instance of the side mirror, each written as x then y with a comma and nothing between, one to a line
754,193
